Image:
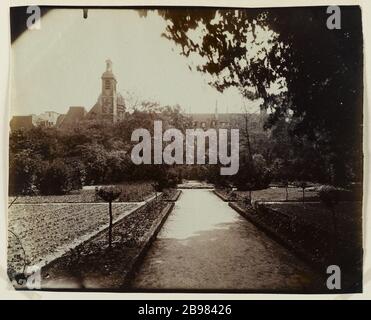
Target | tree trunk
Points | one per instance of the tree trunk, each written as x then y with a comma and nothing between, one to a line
110,225
248,139
287,194
303,195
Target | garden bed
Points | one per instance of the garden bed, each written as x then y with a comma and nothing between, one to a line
47,230
225,196
309,230
94,266
171,195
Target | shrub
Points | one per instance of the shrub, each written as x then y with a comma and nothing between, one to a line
233,196
135,191
247,200
330,195
172,179
117,164
23,170
94,158
77,174
247,180
56,179
164,178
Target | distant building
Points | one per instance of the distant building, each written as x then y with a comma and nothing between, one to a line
255,121
47,119
72,119
110,107
23,122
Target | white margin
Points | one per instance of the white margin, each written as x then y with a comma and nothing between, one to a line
6,291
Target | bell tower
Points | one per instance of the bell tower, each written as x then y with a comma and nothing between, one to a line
109,94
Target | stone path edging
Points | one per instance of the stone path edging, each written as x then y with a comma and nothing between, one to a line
220,195
175,197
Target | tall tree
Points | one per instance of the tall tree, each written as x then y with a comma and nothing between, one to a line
292,50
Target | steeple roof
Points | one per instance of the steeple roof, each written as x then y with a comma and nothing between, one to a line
108,73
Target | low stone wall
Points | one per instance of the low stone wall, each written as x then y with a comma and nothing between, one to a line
174,197
221,195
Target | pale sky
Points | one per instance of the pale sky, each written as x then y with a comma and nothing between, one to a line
60,65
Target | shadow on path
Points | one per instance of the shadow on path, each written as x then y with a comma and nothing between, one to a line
206,246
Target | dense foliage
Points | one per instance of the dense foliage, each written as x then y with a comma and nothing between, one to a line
318,72
52,161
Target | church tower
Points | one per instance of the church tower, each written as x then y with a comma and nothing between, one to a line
111,104
109,93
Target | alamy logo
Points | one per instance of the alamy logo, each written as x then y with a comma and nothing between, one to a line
334,20
33,21
334,280
173,153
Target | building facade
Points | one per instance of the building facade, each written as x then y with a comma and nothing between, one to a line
110,107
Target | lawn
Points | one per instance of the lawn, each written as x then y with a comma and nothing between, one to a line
277,194
131,192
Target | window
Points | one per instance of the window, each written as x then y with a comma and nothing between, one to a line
107,85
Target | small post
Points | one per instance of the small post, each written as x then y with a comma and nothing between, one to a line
109,195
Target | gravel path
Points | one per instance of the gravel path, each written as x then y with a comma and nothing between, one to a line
206,245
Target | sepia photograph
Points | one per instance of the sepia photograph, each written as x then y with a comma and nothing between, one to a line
186,149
